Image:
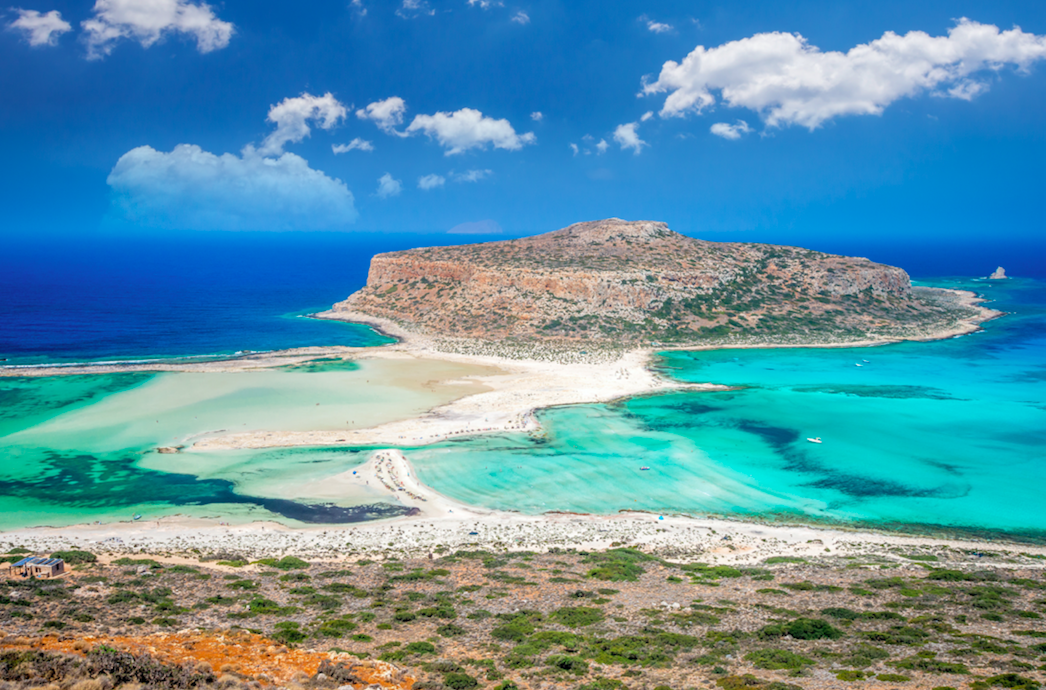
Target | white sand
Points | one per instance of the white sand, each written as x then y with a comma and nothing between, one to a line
516,389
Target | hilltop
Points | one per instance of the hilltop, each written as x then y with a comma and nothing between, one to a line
634,283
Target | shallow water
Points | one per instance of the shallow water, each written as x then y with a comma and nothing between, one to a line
945,435
81,448
948,435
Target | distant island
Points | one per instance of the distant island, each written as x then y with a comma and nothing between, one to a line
637,284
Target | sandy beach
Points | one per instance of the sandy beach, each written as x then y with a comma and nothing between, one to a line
497,394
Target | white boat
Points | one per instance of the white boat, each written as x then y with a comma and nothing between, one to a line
644,468
816,439
858,364
137,516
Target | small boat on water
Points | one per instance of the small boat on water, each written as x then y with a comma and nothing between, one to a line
643,468
815,439
858,364
136,516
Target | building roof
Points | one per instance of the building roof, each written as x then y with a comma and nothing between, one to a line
37,560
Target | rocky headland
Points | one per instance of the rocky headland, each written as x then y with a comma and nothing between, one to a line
637,284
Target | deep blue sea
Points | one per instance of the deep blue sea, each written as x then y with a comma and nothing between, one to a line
947,435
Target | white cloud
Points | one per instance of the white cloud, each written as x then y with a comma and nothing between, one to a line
431,181
658,27
388,186
357,5
626,136
147,21
485,4
732,132
292,116
480,227
646,116
467,129
521,18
356,144
40,29
602,146
472,175
387,114
415,8
536,116
788,81
190,188
573,147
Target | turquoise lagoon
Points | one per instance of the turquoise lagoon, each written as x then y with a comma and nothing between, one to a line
944,435
941,436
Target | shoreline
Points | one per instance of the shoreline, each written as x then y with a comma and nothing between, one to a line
518,389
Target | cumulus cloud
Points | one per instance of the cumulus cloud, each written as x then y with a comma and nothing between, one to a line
192,189
646,116
40,29
415,8
789,81
467,129
388,186
732,132
536,116
431,181
485,4
147,22
480,227
521,18
602,146
628,138
573,147
472,175
354,145
292,116
386,114
658,27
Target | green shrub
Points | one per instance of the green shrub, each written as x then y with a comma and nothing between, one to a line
850,675
289,636
617,565
841,613
404,616
285,563
137,561
336,627
775,659
750,682
420,648
457,680
443,610
802,629
1006,680
572,664
898,635
74,557
577,616
928,664
450,630
893,678
603,684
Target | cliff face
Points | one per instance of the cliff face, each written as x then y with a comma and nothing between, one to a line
629,282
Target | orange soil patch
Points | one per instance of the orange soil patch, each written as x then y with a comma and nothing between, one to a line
243,653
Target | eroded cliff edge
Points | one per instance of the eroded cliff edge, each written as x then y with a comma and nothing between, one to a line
636,283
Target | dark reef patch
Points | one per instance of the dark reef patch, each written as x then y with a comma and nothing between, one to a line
91,481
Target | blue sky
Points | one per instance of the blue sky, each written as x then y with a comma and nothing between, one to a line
787,121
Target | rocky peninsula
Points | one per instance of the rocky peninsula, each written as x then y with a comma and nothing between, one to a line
638,284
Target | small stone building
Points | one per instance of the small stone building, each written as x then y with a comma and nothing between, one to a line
38,566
